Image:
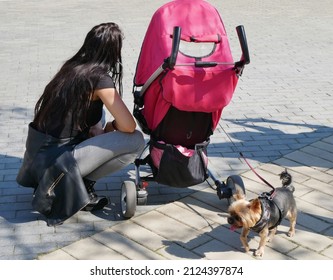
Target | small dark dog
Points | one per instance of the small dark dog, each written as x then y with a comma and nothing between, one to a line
264,213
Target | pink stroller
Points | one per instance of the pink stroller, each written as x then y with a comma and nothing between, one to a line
184,77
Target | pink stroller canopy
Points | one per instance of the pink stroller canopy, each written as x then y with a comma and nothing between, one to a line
186,87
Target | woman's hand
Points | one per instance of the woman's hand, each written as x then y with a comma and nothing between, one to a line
95,130
109,127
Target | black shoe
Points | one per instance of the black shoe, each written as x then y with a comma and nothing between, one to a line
96,202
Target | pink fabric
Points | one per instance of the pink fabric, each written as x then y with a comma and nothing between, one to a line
156,154
198,89
186,87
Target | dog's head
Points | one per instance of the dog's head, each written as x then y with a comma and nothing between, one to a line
244,213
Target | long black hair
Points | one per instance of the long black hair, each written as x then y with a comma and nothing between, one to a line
70,91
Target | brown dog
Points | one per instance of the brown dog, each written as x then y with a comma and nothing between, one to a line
264,213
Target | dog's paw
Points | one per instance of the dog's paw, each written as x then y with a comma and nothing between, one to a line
259,252
246,249
291,233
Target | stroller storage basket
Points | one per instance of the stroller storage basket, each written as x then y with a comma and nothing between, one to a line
178,166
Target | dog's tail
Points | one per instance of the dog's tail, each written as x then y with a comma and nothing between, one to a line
287,179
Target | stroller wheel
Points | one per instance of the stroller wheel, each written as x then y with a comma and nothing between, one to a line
128,199
142,195
236,185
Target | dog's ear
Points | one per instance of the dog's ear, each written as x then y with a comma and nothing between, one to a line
238,195
255,205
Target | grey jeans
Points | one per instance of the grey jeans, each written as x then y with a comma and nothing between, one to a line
107,153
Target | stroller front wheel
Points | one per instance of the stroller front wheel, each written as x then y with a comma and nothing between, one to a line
128,199
236,185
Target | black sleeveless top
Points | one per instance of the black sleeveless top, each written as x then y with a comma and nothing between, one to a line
94,115
95,110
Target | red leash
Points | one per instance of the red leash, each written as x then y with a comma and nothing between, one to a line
261,178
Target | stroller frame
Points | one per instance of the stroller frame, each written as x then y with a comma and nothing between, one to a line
135,193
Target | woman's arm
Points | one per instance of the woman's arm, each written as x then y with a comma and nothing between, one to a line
124,121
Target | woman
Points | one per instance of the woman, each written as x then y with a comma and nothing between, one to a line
68,119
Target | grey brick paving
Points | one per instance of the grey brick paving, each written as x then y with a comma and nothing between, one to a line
280,116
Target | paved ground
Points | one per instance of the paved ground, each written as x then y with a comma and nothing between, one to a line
280,117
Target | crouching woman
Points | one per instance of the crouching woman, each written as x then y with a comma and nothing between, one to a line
67,148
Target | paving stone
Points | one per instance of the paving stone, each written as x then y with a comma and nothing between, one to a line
328,252
313,241
205,211
306,159
325,200
174,251
171,229
216,250
313,209
56,255
125,246
91,249
302,253
190,218
315,224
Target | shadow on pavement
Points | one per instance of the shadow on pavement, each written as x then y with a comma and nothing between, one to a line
273,138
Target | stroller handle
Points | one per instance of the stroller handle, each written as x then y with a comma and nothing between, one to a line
171,61
245,59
